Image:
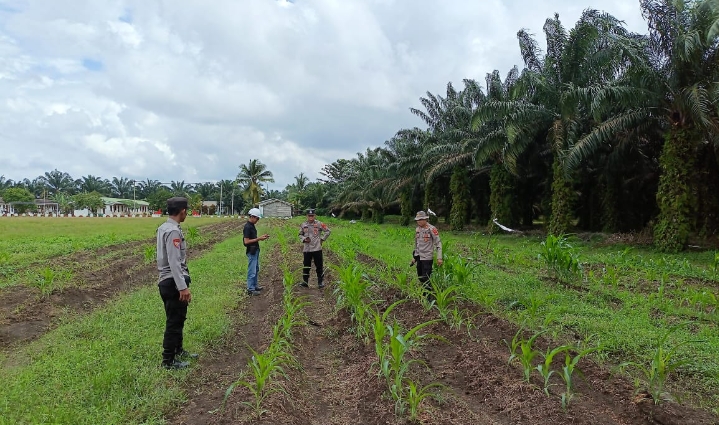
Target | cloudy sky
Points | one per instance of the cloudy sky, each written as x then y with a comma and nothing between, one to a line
190,89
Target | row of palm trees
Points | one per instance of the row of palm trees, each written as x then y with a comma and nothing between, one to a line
605,130
246,188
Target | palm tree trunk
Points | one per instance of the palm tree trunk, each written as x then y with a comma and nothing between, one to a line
674,196
562,200
459,187
502,197
405,207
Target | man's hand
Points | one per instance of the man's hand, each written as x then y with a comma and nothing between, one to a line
264,237
439,261
307,240
185,296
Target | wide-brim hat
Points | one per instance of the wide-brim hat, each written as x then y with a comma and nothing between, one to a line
421,215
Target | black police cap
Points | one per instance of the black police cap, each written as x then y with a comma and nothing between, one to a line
178,202
310,211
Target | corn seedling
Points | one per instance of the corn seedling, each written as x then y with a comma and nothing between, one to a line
263,367
379,328
46,283
459,268
545,368
662,365
350,293
559,257
567,374
525,354
611,277
192,234
416,394
149,253
443,298
395,364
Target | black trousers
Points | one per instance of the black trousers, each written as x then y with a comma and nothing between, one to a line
307,263
424,271
175,315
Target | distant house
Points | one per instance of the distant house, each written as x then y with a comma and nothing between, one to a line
117,206
275,208
209,207
5,208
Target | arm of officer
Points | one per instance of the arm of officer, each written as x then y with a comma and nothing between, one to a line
173,245
301,235
437,245
325,232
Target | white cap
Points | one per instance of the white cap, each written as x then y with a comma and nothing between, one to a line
255,212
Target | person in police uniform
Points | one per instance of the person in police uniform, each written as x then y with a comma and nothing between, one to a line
426,242
312,234
174,283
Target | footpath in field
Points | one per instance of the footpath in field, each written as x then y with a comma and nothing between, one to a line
99,275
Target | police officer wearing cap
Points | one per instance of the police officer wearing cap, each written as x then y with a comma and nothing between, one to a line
312,234
174,283
252,249
426,242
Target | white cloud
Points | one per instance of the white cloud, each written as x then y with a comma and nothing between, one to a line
190,90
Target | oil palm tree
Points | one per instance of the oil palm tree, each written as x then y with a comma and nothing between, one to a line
250,178
675,91
57,181
544,111
90,183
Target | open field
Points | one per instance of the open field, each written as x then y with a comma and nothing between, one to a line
348,354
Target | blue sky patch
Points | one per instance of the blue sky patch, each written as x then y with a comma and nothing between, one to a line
92,64
126,17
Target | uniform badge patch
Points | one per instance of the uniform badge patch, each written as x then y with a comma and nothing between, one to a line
435,231
324,226
177,242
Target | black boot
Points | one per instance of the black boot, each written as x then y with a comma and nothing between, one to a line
170,361
183,354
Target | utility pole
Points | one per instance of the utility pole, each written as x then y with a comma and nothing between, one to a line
220,210
233,201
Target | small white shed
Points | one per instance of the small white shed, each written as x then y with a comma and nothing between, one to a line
275,208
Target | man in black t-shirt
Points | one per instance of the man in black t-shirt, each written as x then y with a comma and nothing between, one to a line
252,249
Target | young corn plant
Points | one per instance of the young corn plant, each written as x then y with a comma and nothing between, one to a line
545,368
715,265
443,299
350,292
263,368
416,394
567,373
149,253
523,351
664,362
46,283
396,364
460,269
380,331
192,234
560,258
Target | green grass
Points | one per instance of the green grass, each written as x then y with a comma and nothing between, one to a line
41,237
27,240
104,368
